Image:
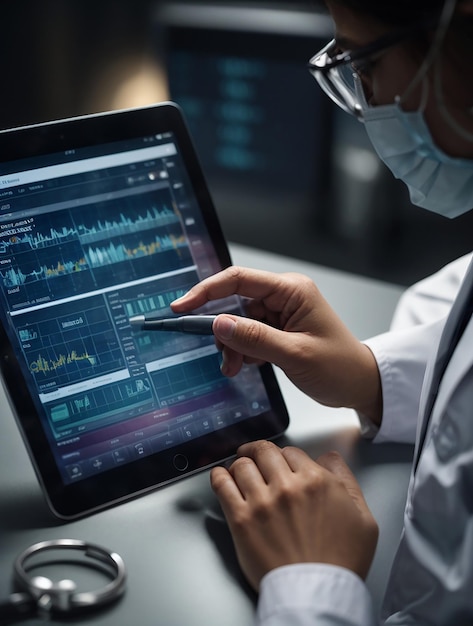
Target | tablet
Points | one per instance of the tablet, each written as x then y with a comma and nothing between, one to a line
103,218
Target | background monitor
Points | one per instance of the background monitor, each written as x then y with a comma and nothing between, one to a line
261,125
290,172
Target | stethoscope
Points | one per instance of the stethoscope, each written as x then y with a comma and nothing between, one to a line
38,595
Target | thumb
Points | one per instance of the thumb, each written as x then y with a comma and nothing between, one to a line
252,338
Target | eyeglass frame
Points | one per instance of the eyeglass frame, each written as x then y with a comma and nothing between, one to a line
322,72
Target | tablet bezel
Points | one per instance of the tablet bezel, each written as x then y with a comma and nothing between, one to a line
127,481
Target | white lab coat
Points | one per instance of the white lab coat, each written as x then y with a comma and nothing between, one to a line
431,581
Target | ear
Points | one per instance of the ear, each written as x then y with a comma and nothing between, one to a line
465,8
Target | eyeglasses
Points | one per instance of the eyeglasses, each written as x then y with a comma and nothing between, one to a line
335,71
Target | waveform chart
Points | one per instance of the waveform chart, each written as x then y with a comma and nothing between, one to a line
77,345
69,252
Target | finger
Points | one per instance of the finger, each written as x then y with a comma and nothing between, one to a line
268,458
233,280
254,339
232,362
225,489
297,459
257,310
334,463
247,476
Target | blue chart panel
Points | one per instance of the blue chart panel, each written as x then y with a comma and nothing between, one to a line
41,259
77,344
74,251
155,345
133,237
188,380
100,407
152,345
152,297
154,303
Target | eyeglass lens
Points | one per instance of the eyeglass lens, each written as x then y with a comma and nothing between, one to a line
337,82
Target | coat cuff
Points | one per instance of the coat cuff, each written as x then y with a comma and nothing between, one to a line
314,593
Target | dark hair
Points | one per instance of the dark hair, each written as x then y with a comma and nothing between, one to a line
397,12
405,13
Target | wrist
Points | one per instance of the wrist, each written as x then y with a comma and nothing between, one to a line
369,402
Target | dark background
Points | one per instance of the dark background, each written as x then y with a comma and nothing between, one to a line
61,58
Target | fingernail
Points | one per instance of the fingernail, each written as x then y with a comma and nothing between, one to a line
224,328
183,297
224,365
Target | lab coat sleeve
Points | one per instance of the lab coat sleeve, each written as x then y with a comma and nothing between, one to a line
431,299
314,594
402,358
402,354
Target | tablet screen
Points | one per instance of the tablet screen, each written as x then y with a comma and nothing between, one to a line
115,224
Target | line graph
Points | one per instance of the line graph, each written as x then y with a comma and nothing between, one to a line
63,360
29,241
16,276
79,344
140,220
117,253
92,246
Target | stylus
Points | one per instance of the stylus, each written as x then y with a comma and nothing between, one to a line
194,324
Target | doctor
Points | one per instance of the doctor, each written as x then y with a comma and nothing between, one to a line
302,530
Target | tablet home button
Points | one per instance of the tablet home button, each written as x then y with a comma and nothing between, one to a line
180,462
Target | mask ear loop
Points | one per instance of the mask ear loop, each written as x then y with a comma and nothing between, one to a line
442,106
444,22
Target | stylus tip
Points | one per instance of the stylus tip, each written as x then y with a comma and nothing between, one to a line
137,320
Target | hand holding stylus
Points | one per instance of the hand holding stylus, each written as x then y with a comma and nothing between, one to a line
291,325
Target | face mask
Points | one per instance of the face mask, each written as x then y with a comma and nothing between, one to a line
436,181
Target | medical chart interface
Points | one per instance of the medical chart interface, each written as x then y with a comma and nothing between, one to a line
88,239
